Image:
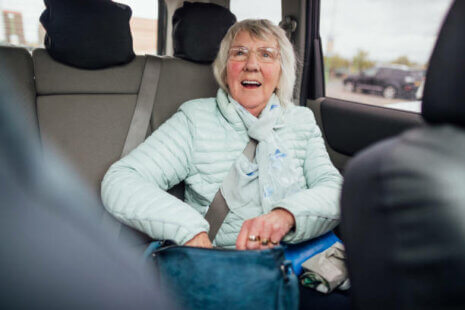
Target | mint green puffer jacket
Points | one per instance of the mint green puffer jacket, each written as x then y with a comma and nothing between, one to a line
198,145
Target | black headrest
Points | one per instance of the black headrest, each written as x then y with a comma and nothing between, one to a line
88,34
444,96
198,29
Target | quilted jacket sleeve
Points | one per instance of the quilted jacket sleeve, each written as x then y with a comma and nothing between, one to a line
134,188
316,209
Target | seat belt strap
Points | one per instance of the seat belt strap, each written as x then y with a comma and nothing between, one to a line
139,125
144,105
219,208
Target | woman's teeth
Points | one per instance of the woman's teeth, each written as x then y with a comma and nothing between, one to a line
250,83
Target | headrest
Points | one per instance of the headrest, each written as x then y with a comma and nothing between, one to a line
444,96
88,34
198,29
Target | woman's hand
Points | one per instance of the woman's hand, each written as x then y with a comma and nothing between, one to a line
267,230
200,240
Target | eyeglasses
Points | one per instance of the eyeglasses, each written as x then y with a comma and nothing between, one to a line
264,54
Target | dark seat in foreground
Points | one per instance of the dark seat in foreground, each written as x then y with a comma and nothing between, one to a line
54,252
403,201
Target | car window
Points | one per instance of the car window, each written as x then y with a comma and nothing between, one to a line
360,35
19,23
144,25
384,72
20,26
370,72
269,9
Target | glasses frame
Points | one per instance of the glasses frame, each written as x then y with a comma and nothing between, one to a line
272,50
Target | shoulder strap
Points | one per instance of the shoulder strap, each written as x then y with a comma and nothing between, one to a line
144,105
219,208
139,124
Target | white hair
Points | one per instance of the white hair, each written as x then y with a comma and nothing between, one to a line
262,29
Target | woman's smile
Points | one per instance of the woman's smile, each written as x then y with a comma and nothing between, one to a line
251,84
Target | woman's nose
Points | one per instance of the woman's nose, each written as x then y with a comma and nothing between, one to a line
252,63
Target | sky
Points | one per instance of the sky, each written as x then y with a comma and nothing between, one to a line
386,29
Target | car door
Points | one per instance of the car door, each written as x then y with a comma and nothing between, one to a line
367,80
381,79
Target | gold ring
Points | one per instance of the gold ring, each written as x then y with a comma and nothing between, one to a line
274,243
265,241
254,238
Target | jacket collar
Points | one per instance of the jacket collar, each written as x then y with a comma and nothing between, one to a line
229,112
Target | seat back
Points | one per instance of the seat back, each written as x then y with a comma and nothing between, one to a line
86,113
180,81
403,200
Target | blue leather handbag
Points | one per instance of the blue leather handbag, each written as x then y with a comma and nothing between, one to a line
203,279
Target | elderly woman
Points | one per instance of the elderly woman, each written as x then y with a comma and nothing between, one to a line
288,192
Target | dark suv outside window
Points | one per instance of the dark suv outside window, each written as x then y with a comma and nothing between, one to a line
390,82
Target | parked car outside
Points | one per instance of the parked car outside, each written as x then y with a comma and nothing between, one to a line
388,81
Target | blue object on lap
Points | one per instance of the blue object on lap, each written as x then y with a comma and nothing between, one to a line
211,279
299,253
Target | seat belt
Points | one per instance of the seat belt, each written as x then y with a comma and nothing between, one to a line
144,105
139,123
219,208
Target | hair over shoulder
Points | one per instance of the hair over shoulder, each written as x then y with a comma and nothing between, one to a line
262,29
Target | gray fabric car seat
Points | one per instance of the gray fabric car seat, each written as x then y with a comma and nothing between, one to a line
86,113
403,200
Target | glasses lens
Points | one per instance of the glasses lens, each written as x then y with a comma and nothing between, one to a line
238,53
267,54
264,54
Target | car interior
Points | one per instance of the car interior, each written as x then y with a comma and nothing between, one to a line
84,115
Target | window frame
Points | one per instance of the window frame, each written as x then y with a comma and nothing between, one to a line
162,27
313,83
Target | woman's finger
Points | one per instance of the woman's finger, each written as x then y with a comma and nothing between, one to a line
253,238
276,234
241,241
265,235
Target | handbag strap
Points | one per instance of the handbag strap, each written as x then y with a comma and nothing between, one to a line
219,208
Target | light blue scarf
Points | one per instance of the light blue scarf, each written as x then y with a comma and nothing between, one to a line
271,174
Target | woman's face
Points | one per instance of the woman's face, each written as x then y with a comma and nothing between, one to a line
253,79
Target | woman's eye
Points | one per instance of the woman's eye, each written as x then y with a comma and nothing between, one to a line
266,55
